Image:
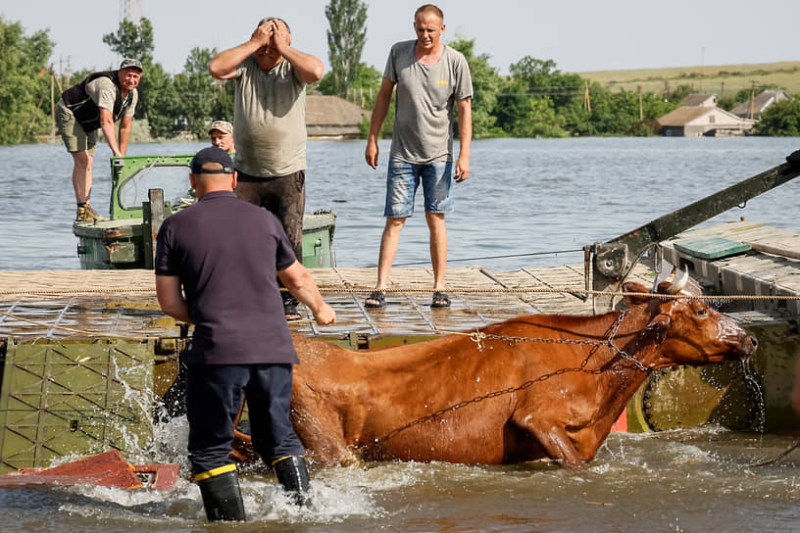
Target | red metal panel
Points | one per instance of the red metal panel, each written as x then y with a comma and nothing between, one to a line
107,469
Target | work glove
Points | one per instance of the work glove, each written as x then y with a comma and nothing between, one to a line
794,159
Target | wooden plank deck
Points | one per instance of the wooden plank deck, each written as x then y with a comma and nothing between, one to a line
123,302
85,303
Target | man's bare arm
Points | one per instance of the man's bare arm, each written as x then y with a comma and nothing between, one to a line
223,65
124,133
170,298
301,284
382,102
464,137
308,67
107,125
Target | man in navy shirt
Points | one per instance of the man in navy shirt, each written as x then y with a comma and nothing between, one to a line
227,255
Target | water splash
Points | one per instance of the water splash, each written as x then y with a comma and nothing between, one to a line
136,404
751,378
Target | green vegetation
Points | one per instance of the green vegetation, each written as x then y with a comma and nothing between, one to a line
346,38
24,84
535,100
781,119
173,105
485,86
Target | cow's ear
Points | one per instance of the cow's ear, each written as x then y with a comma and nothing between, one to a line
657,328
635,299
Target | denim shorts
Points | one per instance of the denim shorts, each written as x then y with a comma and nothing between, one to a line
402,182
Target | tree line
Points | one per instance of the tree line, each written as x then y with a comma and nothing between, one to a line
535,100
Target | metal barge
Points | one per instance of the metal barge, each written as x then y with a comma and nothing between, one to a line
147,189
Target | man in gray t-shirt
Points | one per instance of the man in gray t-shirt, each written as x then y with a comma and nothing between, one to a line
430,77
270,125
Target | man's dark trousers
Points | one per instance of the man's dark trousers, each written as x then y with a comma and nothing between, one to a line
211,403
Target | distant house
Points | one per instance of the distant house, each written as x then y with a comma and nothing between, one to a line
760,103
331,116
700,100
702,121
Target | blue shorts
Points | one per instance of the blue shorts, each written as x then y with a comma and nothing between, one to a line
404,178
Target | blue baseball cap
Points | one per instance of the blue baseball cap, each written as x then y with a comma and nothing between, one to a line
212,154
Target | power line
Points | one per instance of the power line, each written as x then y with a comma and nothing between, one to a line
492,257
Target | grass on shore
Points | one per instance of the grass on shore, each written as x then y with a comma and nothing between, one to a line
720,79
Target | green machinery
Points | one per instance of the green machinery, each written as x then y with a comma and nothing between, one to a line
147,189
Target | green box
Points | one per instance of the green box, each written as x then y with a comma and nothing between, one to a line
75,398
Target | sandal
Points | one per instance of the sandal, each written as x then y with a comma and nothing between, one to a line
440,299
290,310
375,299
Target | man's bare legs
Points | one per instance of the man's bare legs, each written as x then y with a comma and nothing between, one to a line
389,242
82,183
438,246
82,176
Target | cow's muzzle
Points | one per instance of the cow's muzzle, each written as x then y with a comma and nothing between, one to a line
748,344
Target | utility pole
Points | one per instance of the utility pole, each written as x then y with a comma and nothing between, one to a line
64,74
641,112
752,99
130,10
702,64
587,102
52,102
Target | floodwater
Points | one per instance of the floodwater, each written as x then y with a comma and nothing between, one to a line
523,197
687,480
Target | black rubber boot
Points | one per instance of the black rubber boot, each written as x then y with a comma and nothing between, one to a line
293,475
222,498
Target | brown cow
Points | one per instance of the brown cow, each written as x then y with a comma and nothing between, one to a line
532,387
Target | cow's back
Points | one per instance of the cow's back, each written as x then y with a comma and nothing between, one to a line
345,400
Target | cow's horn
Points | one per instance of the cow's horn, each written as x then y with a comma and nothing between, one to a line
679,283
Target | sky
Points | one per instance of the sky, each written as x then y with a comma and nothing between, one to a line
579,35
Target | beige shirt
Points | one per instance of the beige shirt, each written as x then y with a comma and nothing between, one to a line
104,93
269,120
